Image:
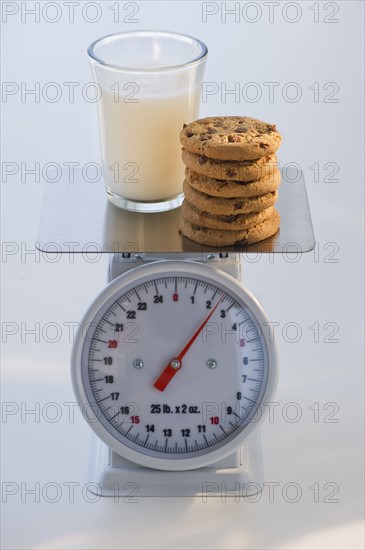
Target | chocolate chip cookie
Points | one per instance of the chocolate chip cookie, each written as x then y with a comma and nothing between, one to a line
224,188
222,206
221,237
230,138
232,222
244,170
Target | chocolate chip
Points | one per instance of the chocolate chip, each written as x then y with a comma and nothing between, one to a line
245,182
230,219
204,137
230,173
271,128
189,133
241,130
238,205
264,145
211,130
233,139
184,126
202,160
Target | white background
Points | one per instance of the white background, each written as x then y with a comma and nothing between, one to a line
321,287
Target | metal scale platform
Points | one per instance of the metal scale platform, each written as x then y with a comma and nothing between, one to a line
80,213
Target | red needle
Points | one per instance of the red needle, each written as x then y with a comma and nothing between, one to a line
175,364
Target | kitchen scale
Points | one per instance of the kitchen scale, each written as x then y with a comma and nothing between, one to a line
172,363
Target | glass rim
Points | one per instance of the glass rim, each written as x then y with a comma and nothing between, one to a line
111,37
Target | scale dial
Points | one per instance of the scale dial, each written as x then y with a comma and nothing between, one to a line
172,363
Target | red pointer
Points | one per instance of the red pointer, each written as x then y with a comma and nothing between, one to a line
175,364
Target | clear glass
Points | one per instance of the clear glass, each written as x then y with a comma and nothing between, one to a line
149,85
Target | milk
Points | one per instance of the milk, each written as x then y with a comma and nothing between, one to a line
140,142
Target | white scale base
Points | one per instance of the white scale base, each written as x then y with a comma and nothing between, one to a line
240,474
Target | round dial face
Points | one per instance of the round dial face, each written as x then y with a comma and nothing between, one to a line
172,363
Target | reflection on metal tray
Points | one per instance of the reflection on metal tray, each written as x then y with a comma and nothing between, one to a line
78,216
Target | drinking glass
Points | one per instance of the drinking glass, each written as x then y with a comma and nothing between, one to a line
149,84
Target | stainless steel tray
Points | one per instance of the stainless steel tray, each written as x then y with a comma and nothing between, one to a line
78,216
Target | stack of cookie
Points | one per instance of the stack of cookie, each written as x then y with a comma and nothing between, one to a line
231,180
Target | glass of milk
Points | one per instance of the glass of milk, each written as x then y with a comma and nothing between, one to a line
149,84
